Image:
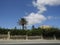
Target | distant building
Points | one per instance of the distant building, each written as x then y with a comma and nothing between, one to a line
45,27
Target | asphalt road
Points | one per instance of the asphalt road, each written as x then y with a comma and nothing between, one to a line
34,44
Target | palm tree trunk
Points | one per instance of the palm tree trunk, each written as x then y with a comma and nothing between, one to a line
23,27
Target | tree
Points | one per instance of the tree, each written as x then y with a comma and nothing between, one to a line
22,22
33,27
15,28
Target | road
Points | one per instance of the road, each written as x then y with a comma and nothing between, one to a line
34,44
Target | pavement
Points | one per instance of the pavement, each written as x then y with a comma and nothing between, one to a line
28,41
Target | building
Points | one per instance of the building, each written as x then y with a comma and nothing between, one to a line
45,27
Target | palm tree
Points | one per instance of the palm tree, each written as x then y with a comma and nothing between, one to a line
22,22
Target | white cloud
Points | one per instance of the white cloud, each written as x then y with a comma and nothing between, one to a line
52,17
34,18
41,4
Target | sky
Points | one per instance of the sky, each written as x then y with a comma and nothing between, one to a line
36,12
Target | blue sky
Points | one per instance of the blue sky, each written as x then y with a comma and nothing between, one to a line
12,10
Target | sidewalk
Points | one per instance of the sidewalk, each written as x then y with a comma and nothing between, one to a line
28,41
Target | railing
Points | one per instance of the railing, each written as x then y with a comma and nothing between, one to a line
3,36
8,36
25,37
14,37
18,37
